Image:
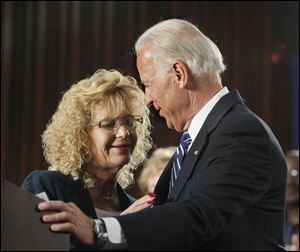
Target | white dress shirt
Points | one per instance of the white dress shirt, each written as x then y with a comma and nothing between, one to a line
199,119
116,238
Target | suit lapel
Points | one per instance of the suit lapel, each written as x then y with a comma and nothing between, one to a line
196,150
162,186
189,163
81,197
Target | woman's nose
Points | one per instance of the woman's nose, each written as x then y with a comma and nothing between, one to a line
122,131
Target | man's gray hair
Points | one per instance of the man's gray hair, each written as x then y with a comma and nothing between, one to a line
177,39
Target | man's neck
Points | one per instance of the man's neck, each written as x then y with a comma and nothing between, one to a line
207,87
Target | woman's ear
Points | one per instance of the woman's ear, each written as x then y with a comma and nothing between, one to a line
180,73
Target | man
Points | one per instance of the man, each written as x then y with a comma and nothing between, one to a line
224,188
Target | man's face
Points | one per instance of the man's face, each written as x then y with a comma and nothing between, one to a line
161,92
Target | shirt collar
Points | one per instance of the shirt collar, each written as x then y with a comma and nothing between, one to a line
199,119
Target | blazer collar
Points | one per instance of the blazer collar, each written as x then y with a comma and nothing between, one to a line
218,112
77,193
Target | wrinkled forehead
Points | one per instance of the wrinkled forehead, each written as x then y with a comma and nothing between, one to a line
111,107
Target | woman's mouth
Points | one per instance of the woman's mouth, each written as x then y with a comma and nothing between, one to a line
121,148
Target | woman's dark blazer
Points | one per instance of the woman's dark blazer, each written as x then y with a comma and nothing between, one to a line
58,186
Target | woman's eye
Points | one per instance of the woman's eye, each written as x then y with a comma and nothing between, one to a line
109,125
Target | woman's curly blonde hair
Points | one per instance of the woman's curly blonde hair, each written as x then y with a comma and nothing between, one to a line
65,139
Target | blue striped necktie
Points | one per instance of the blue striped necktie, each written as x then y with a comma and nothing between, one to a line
179,156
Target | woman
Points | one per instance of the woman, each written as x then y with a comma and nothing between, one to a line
98,136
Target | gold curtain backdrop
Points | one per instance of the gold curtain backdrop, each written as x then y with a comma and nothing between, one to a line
48,45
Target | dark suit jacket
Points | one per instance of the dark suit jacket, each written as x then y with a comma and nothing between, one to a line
58,186
230,192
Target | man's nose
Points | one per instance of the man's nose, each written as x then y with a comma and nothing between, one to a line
148,100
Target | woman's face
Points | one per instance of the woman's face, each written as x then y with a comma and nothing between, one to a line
111,141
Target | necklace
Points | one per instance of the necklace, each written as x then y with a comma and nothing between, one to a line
106,197
109,197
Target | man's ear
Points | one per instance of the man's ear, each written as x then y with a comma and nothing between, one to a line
180,73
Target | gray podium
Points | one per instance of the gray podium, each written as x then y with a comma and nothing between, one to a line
21,225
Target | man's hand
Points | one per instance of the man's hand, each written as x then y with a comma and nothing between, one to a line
68,219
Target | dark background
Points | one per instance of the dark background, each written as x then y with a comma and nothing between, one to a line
47,46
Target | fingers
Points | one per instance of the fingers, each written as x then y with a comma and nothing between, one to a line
151,194
57,217
66,211
140,204
140,207
55,205
145,199
63,227
68,218
150,197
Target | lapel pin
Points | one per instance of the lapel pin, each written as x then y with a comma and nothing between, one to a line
196,152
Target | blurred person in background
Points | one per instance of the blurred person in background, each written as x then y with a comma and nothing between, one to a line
291,235
153,168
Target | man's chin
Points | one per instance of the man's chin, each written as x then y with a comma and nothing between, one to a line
172,126
169,125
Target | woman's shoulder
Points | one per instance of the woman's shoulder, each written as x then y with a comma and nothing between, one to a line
43,180
48,175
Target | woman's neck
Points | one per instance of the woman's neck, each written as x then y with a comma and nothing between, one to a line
104,193
105,197
105,188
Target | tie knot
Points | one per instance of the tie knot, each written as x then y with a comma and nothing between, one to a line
185,138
